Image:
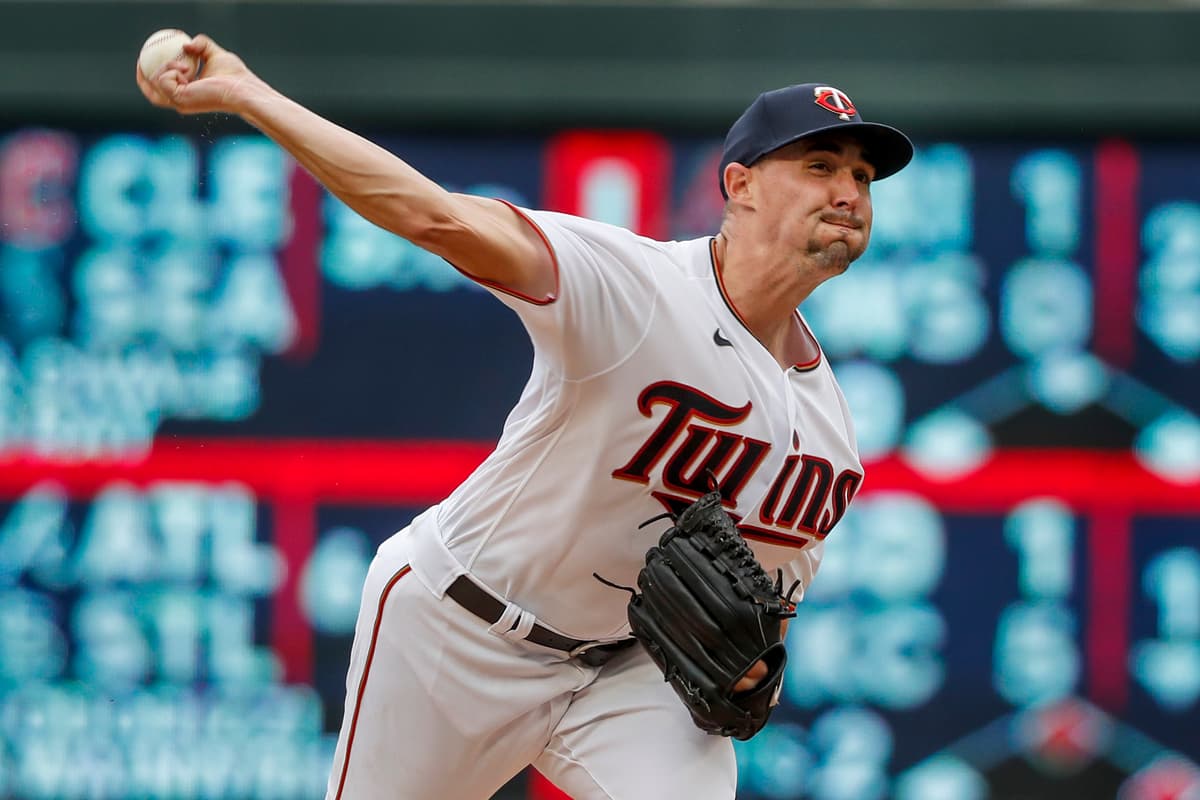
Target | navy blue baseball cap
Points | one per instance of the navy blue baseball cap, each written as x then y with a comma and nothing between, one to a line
783,116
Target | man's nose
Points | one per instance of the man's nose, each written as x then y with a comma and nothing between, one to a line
845,189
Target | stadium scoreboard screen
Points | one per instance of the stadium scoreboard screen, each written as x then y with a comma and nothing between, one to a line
220,390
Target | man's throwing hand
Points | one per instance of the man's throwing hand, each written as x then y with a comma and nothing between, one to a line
204,81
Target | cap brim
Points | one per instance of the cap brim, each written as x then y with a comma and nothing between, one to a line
885,147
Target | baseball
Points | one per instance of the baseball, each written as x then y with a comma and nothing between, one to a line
162,46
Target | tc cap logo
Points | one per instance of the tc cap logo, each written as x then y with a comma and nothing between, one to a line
835,100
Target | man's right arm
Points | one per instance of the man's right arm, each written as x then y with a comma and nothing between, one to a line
484,238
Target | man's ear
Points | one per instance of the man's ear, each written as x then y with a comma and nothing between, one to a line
737,179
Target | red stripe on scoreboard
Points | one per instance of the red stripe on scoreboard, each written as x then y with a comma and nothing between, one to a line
542,789
295,529
294,476
1106,640
1117,180
299,262
420,472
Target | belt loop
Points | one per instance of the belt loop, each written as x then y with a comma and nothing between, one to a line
514,623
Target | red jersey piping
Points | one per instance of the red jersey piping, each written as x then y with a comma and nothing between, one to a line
544,301
362,682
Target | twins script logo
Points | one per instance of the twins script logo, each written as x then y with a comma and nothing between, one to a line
804,502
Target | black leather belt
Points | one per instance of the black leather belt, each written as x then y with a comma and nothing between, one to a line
478,601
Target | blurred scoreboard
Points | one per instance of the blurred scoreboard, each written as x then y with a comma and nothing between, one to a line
220,390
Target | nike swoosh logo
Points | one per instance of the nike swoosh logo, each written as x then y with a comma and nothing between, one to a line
721,340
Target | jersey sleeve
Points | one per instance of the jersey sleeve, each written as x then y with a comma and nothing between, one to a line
803,568
604,300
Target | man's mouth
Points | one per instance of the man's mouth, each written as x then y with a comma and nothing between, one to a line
840,222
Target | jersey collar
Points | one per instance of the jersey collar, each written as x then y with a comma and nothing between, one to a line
715,260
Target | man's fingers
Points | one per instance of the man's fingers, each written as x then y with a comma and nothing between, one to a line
171,84
185,67
201,46
752,678
150,90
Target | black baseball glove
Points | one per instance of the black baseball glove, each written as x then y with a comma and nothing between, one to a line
707,612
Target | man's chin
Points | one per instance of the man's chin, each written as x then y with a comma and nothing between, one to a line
836,257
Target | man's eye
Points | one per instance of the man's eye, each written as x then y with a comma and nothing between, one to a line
863,178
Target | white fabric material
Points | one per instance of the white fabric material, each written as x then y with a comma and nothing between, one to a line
450,710
544,511
644,381
433,563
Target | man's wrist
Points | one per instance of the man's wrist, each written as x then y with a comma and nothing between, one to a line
252,98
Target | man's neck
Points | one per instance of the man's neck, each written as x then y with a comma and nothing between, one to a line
765,290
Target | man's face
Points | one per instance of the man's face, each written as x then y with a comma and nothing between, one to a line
814,196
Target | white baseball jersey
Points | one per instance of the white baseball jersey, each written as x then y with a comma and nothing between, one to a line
645,386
